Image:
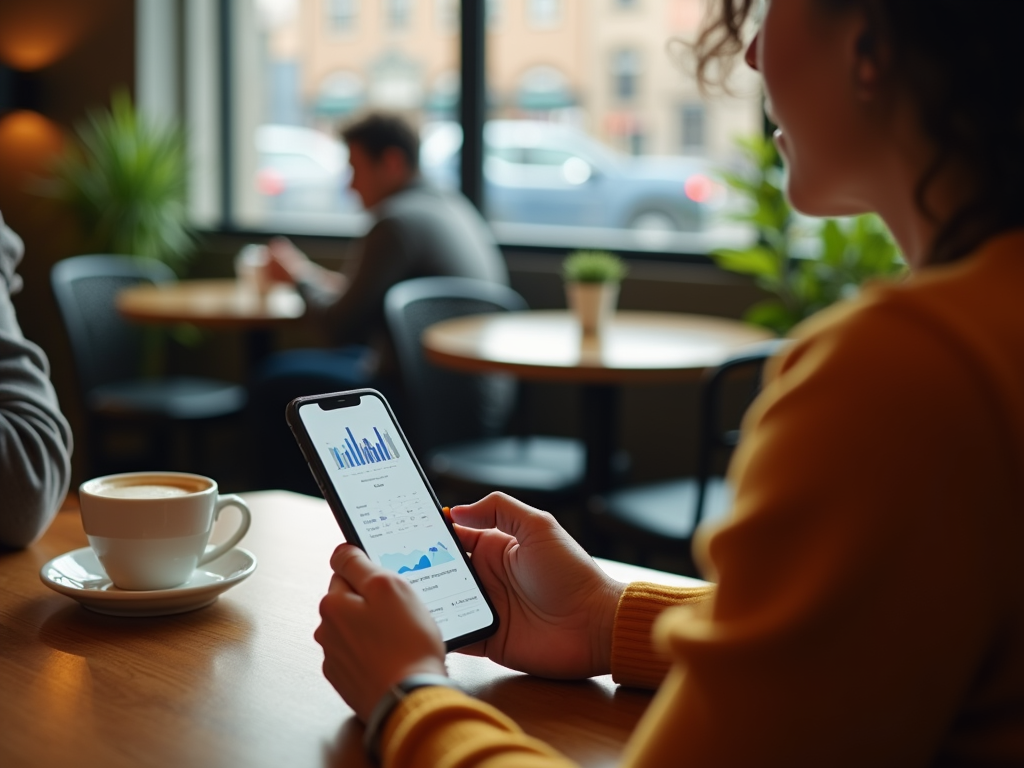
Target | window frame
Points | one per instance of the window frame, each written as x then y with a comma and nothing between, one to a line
475,19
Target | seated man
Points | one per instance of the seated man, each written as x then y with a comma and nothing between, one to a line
35,440
418,231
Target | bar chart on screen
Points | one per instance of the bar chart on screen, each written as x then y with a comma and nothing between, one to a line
353,453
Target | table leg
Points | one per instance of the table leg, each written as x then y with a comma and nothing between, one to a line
600,425
259,343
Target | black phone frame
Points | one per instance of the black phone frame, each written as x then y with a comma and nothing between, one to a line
348,399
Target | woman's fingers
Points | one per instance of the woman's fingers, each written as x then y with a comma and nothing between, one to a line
473,539
498,510
352,566
468,537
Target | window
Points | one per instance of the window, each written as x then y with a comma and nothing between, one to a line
625,74
544,14
296,82
692,124
493,11
398,13
342,15
447,12
576,113
593,130
544,88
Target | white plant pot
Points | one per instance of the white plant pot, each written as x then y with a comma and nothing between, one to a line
593,304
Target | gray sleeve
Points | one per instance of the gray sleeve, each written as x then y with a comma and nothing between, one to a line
384,260
35,439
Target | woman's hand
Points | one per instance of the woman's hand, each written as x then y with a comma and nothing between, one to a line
374,631
556,605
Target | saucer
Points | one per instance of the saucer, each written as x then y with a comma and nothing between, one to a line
79,575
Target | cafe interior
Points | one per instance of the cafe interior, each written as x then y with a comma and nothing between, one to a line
639,417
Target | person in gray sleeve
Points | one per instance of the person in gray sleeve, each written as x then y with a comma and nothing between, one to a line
35,439
418,231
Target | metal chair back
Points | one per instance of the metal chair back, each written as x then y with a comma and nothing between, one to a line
718,431
448,407
105,347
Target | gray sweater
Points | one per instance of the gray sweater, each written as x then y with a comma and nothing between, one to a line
35,440
420,231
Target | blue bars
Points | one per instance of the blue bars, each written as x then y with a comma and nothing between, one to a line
380,444
360,453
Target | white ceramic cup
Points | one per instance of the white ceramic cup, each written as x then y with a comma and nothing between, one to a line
150,529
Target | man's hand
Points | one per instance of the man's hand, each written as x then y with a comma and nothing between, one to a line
374,631
556,606
287,263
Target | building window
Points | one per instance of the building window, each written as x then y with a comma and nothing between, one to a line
342,15
447,13
544,13
399,13
692,120
626,74
560,132
493,13
544,88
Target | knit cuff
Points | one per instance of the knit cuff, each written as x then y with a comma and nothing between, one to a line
436,725
635,661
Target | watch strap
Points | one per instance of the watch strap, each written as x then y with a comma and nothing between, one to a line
390,701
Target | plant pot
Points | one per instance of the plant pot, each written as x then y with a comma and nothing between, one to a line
592,303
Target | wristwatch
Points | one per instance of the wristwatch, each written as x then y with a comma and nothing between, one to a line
389,701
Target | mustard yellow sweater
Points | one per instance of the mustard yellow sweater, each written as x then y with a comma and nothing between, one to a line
869,607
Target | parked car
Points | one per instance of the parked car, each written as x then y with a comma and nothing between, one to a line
303,170
546,173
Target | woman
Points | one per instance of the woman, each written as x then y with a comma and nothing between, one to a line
869,607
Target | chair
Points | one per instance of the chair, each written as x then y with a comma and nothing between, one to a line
108,356
457,421
661,518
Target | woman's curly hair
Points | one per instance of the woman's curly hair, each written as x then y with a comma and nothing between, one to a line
960,62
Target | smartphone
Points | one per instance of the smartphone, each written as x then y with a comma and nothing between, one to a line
386,507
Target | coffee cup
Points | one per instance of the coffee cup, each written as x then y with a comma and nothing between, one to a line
252,268
150,530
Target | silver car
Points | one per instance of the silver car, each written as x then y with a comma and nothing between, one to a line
546,173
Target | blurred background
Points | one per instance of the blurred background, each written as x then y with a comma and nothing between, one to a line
594,135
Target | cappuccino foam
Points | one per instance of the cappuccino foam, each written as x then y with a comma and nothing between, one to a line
142,491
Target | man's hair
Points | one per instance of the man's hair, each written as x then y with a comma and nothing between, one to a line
378,132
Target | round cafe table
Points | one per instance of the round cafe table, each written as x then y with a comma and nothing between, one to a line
223,304
635,348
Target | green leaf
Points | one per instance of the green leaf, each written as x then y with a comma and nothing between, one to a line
833,242
757,261
593,267
773,315
852,250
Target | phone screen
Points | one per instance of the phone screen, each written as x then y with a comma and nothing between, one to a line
393,511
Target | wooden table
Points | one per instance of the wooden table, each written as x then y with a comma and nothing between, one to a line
636,348
237,683
220,304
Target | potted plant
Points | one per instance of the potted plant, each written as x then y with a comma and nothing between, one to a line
592,281
806,264
126,179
